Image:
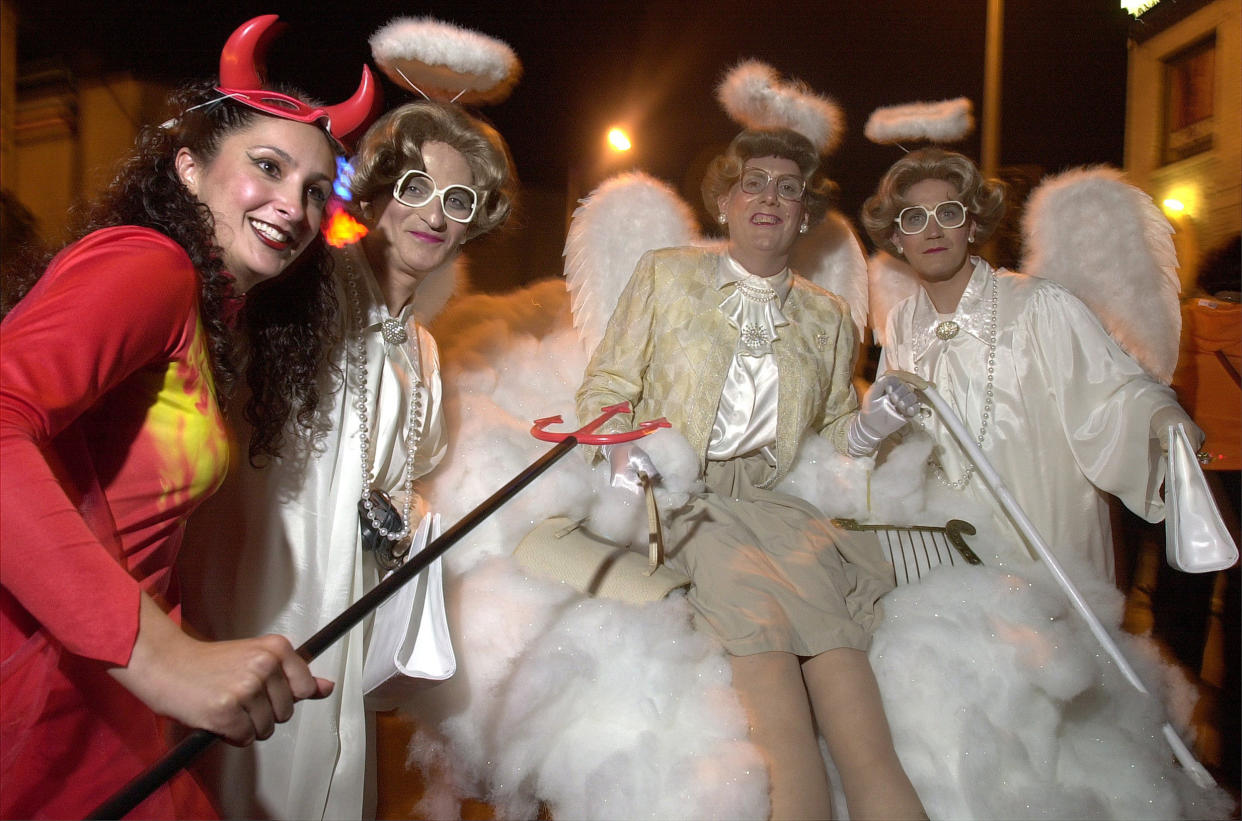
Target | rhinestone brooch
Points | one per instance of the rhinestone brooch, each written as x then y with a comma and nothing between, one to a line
753,335
393,332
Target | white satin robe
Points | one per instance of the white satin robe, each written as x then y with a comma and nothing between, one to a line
299,563
1072,413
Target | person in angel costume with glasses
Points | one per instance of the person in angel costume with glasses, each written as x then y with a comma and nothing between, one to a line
320,526
743,356
1060,409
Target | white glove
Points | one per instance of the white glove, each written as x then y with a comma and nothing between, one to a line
1171,415
627,460
886,407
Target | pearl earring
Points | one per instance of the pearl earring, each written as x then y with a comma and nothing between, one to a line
802,228
722,219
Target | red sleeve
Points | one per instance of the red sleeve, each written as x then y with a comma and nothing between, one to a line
109,305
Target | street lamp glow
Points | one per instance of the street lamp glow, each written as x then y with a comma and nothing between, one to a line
1137,7
618,140
1181,200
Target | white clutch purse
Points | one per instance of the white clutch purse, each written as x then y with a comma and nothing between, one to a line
1195,537
409,634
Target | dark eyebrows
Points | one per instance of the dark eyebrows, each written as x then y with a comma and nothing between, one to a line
288,158
280,152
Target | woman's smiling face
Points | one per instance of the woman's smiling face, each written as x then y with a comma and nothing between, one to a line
267,187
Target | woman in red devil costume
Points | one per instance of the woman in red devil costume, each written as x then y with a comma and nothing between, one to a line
115,367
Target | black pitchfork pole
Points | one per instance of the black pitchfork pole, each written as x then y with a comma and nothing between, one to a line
137,790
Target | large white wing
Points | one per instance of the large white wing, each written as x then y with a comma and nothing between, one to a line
625,217
892,280
831,256
1107,242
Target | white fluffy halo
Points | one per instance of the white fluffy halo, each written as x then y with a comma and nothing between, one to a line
754,95
945,121
445,62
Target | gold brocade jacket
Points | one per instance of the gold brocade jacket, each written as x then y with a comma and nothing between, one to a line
668,347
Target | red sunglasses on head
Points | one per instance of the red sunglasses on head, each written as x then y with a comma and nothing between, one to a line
279,105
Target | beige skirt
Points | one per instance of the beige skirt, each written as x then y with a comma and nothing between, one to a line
771,572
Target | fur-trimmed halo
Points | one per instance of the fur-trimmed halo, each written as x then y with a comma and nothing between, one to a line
754,96
946,121
445,62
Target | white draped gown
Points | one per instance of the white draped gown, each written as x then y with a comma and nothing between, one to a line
278,551
1072,415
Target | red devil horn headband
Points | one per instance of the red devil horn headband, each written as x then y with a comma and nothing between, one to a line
241,78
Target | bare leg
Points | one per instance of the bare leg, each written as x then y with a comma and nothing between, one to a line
851,717
771,689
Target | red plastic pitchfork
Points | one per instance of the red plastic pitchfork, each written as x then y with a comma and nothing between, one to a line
584,436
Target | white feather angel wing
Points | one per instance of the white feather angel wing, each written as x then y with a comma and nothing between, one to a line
831,256
625,217
1108,243
892,280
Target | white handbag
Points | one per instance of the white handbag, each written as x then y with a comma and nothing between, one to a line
1196,540
409,644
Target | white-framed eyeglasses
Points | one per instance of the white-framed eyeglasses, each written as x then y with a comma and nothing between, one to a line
417,188
949,214
756,180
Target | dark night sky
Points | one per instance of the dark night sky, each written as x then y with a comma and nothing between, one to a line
655,64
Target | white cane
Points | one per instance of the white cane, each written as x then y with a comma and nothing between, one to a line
951,420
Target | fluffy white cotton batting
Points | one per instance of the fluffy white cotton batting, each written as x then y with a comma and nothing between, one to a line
1002,705
754,96
945,121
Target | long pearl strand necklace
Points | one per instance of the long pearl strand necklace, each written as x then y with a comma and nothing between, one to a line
395,334
937,468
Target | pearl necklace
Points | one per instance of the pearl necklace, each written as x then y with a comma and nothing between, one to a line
761,293
393,334
960,483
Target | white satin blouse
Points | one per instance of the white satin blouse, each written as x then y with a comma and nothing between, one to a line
746,416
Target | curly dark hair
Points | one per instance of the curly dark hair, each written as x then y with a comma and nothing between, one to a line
286,320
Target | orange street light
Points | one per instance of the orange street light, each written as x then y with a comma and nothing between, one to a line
618,140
